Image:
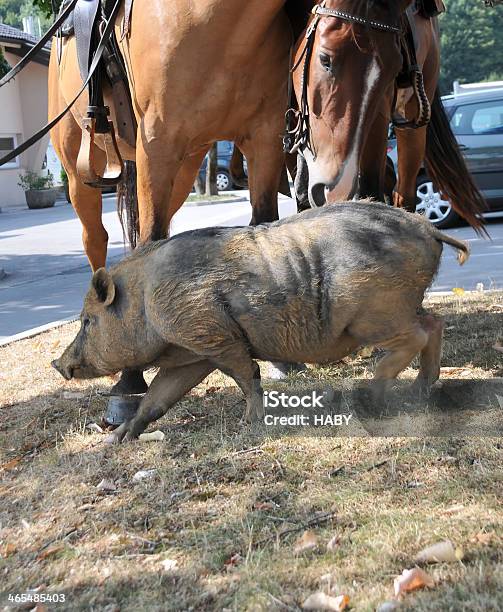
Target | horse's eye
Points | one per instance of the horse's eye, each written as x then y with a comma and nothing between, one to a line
86,322
326,62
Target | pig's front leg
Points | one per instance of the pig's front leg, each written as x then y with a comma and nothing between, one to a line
170,385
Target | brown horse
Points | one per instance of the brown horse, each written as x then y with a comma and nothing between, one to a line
197,73
345,81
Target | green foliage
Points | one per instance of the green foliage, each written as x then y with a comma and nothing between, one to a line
32,180
13,11
63,176
472,44
4,64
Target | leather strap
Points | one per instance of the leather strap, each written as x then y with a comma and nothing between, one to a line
92,68
40,45
84,18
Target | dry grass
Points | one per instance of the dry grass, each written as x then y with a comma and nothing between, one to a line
219,512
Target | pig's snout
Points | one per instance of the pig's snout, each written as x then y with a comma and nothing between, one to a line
66,371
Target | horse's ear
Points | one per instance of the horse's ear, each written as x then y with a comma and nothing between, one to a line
104,287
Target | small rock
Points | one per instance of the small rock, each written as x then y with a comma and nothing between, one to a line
144,475
155,436
388,606
169,565
73,395
107,486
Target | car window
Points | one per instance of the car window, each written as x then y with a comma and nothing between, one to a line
225,147
483,118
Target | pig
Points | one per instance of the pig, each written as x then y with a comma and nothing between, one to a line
311,288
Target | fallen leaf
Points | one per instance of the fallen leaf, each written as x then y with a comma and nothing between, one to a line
95,427
320,601
168,565
9,549
412,579
483,538
144,474
458,291
307,541
10,465
233,560
441,552
333,543
52,550
155,436
106,486
263,506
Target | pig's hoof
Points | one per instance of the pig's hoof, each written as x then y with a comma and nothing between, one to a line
280,369
118,435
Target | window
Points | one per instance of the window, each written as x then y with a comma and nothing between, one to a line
8,144
474,119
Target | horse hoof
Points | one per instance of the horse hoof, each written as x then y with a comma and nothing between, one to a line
121,408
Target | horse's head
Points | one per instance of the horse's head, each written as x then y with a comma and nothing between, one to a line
346,65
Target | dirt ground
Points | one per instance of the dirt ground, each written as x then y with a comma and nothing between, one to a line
214,523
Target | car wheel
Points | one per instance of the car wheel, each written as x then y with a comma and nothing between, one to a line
432,205
224,182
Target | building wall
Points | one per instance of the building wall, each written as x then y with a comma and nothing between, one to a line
23,111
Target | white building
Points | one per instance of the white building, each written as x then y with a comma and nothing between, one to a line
23,111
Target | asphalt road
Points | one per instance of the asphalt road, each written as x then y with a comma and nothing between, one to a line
48,275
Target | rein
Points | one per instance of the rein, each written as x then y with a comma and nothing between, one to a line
298,131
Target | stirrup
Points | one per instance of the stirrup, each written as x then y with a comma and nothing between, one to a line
86,167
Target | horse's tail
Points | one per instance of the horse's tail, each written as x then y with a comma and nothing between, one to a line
447,169
127,203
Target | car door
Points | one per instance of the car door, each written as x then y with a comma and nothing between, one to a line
479,131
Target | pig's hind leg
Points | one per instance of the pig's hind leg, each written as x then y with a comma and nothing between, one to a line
431,354
169,386
237,363
401,350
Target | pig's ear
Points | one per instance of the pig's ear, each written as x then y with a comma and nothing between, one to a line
104,286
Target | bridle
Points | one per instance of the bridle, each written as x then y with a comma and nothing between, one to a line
298,131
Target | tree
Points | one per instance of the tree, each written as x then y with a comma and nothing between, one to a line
472,45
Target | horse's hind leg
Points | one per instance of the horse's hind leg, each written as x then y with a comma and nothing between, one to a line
411,150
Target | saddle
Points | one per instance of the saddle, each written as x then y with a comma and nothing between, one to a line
411,75
86,24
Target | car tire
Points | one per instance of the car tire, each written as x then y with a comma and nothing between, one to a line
431,205
224,180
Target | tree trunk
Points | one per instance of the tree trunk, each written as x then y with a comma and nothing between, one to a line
211,172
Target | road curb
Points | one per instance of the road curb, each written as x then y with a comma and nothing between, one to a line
31,333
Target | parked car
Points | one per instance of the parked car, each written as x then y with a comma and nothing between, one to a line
224,156
477,122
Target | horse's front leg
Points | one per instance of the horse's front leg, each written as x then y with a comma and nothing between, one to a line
373,160
264,154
